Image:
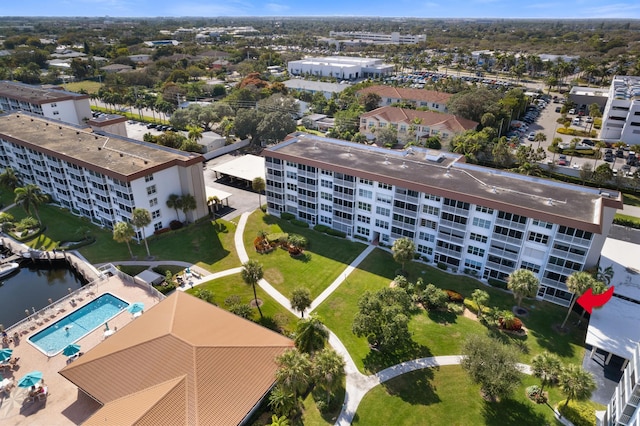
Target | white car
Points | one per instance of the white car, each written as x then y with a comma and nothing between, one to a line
531,136
576,121
572,111
589,119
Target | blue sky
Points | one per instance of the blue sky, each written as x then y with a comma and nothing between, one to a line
597,9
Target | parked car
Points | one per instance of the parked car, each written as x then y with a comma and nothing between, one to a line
589,119
531,136
620,153
632,160
558,109
562,160
588,142
576,121
572,111
608,157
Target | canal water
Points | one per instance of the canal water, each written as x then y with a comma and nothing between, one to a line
32,286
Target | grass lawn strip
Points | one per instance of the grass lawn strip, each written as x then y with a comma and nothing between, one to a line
205,242
232,285
437,333
322,262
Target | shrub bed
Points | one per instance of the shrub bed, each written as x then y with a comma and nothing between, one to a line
497,283
454,296
578,413
300,223
287,216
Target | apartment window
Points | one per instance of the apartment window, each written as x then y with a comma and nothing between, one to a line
542,223
366,181
362,230
530,266
578,233
327,172
382,185
292,175
291,197
326,220
364,219
428,223
477,237
424,250
151,190
405,206
475,251
326,183
291,164
512,217
326,208
292,186
54,105
508,232
432,197
364,206
382,224
383,199
482,223
472,264
538,238
426,237
404,219
365,194
454,218
431,210
148,178
326,196
56,113
155,214
483,209
457,204
383,211
402,232
153,202
157,226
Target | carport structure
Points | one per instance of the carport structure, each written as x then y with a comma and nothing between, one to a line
245,168
614,327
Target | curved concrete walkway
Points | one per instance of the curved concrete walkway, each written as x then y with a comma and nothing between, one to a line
358,384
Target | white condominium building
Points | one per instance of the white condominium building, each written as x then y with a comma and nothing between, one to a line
482,221
101,177
621,118
622,410
52,102
380,38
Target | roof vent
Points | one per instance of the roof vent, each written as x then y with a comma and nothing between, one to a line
121,155
549,201
494,190
315,145
404,165
349,151
46,124
77,132
99,148
386,160
59,127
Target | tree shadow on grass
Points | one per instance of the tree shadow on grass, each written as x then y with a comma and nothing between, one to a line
415,387
554,343
331,413
511,412
442,317
516,340
377,360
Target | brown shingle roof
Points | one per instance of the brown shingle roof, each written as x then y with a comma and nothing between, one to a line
407,94
225,364
427,118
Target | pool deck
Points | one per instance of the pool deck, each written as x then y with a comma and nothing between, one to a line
65,405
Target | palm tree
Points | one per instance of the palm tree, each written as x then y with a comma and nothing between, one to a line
605,275
281,401
195,133
311,334
294,370
540,137
547,367
123,232
403,250
576,383
523,283
30,197
481,298
251,274
258,185
300,299
328,370
175,202
577,283
188,204
140,219
9,179
279,421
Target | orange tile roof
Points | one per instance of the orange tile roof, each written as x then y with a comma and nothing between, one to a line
215,365
427,118
407,94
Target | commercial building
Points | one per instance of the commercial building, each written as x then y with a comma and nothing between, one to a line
379,38
50,102
419,97
621,118
414,123
340,67
622,410
327,89
580,95
482,221
101,177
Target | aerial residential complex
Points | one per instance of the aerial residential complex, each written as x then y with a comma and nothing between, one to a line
419,97
623,407
482,221
102,177
52,102
621,118
341,67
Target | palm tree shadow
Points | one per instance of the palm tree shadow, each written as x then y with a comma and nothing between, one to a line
511,412
415,387
378,359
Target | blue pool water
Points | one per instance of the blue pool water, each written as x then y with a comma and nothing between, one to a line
77,324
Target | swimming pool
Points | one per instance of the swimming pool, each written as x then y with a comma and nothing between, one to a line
71,328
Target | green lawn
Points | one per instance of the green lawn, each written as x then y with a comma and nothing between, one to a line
275,316
210,244
631,199
88,86
323,261
439,333
446,396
